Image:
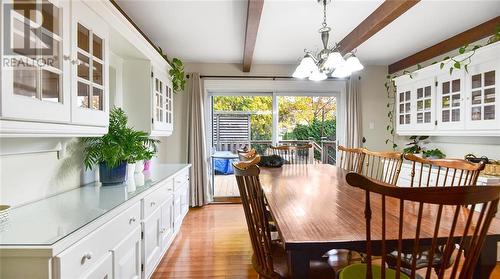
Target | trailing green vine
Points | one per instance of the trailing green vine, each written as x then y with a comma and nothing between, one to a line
176,72
455,63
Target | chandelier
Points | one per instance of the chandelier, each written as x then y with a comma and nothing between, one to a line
328,61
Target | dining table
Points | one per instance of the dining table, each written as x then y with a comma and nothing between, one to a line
315,210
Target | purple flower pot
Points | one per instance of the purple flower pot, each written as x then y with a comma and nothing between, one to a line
147,165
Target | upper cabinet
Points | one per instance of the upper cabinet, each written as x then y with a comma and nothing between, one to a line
162,104
57,65
434,102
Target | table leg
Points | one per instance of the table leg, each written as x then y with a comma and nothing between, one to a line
298,264
487,259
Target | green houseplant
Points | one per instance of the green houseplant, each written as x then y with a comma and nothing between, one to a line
121,145
433,154
414,147
176,72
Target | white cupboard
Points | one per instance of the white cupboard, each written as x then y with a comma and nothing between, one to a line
101,270
434,102
127,256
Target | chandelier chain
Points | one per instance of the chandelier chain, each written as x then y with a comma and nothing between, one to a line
324,13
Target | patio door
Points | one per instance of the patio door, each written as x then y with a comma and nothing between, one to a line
242,121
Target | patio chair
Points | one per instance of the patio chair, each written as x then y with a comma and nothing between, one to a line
292,154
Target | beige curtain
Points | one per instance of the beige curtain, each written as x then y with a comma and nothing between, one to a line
197,153
353,113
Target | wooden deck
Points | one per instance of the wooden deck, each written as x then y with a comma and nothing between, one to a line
225,186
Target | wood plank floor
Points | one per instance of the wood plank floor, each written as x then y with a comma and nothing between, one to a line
214,243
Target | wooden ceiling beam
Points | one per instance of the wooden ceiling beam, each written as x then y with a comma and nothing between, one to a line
254,12
479,32
376,21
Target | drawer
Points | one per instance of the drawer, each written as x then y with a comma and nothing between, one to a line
153,201
84,255
181,179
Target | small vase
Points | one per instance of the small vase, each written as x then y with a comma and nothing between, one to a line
112,176
139,166
147,165
130,171
139,179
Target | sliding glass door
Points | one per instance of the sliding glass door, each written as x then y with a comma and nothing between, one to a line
246,121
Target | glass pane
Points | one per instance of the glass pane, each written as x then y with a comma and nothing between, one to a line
489,95
18,43
420,105
455,100
83,38
455,115
51,17
407,95
407,107
476,113
156,84
445,116
420,117
83,95
401,97
420,93
489,112
52,59
446,87
455,85
427,117
161,86
97,72
407,118
25,81
476,97
446,102
157,114
401,119
427,104
83,66
51,87
97,98
97,47
476,81
428,91
489,78
401,108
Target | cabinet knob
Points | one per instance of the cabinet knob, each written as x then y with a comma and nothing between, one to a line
153,204
66,57
86,256
132,220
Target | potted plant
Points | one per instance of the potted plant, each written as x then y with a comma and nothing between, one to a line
112,152
433,154
414,147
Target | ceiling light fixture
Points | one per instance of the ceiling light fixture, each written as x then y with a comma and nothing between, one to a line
328,61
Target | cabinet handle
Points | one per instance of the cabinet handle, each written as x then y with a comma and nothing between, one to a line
87,256
131,220
66,57
153,204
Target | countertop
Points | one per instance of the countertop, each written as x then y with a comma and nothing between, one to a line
49,220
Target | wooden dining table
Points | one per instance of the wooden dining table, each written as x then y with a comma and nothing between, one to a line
315,211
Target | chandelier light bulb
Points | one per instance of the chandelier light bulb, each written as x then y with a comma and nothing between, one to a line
341,72
318,76
353,64
333,61
301,73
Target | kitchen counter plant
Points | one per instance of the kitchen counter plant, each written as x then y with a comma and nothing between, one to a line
112,152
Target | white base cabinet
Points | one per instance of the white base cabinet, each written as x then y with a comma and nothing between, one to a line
128,242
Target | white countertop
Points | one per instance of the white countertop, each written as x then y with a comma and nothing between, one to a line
49,220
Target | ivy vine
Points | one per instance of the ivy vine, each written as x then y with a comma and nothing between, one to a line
454,63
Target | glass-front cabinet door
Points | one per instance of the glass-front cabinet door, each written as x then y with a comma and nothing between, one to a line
483,110
89,67
35,56
424,114
404,108
162,114
450,101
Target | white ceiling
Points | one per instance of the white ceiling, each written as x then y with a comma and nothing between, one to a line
212,31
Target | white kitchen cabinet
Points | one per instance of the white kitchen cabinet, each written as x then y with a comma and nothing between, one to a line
90,66
35,81
148,96
152,242
167,224
463,103
102,270
127,257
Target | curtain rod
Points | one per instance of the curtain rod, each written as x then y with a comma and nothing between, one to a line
260,77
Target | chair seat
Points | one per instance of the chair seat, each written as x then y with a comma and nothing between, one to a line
421,262
358,271
319,269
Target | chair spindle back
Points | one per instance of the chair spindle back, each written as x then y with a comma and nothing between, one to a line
351,159
382,166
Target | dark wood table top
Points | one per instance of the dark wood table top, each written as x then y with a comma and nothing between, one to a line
314,205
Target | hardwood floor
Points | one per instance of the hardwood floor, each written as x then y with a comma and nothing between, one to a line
214,243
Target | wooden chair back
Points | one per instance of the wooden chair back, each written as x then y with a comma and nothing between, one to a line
442,172
465,231
246,156
351,159
293,154
383,166
252,198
